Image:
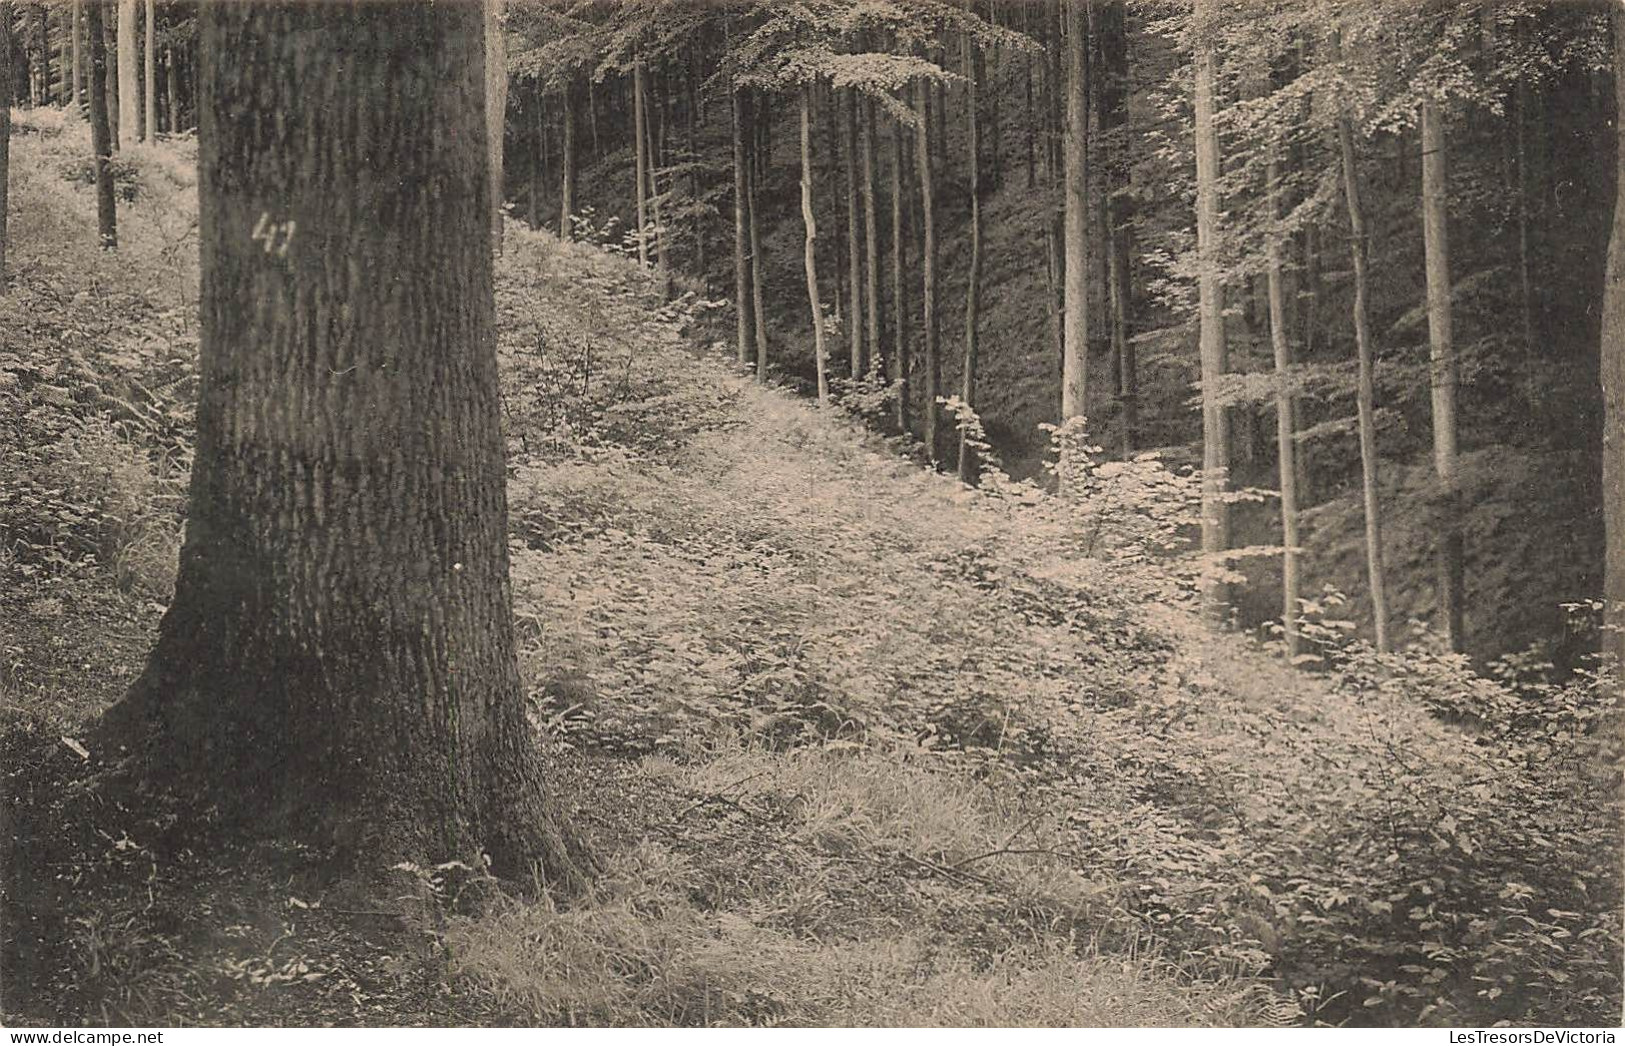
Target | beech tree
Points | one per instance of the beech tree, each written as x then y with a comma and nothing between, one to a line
1365,394
101,135
149,81
1613,387
129,89
973,290
337,665
1075,307
1210,318
1442,369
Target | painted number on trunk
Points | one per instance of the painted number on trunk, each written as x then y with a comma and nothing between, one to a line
276,236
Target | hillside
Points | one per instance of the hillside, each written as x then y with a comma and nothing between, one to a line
856,744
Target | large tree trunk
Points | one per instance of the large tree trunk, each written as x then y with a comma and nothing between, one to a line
338,663
1286,444
149,82
741,122
854,238
928,267
1365,393
1442,372
640,135
567,161
129,87
973,290
871,238
1613,389
810,259
899,283
1075,341
496,112
1211,337
101,135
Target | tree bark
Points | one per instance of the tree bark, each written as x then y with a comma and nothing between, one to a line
1075,310
741,122
76,23
1612,372
899,284
42,22
1286,444
567,161
1442,373
854,238
1114,149
810,257
1210,313
110,50
655,149
1365,392
149,83
973,290
337,665
871,238
928,268
129,89
758,290
496,112
640,135
101,135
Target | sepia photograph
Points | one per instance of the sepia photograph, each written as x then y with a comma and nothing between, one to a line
678,514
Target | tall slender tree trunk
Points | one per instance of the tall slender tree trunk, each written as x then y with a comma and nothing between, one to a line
871,238
1286,443
1442,372
149,83
129,89
810,257
496,112
741,122
101,135
567,161
1359,247
76,23
1613,389
1054,230
928,268
758,290
42,26
1075,346
854,238
110,50
640,135
656,150
1211,337
973,290
337,664
1113,147
899,283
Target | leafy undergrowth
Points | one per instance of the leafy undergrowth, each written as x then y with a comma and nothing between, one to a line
858,744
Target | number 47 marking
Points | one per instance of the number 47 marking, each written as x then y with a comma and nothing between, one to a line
276,236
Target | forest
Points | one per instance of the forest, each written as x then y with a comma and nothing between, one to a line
1095,513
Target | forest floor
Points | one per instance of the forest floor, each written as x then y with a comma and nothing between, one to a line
857,744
